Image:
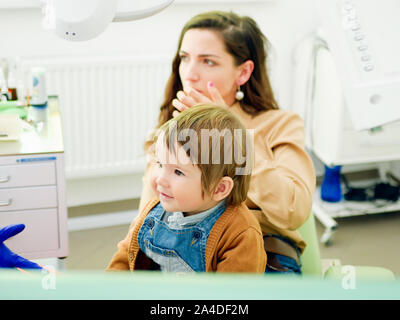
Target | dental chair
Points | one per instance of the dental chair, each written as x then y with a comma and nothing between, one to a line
311,260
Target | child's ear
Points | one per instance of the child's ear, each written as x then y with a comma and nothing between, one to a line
223,189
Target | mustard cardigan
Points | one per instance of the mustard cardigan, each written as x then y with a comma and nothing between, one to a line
235,244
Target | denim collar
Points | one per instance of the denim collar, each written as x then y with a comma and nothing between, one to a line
177,220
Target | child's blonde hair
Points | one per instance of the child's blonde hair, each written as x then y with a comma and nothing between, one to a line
206,128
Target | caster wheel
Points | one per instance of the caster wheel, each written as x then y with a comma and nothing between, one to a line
327,239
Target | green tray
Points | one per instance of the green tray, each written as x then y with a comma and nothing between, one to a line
12,107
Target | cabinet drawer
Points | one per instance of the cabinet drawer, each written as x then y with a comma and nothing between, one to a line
24,175
28,198
40,233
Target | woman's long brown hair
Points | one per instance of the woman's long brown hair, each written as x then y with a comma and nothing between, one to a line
244,41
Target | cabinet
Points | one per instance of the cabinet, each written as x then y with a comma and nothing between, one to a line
32,189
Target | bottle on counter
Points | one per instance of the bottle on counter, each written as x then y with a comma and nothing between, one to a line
38,101
12,84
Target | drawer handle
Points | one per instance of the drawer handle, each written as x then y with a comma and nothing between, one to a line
5,204
4,179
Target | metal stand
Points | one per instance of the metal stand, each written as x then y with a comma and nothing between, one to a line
327,221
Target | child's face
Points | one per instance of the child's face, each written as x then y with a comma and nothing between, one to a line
177,182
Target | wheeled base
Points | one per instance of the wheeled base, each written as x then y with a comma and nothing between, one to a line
329,223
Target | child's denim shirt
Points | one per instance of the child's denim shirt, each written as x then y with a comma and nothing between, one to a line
177,243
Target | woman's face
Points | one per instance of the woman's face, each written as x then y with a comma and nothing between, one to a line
203,59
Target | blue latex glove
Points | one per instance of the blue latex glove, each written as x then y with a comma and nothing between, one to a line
9,259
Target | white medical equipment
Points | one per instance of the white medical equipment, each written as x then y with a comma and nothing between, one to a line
347,88
78,20
363,36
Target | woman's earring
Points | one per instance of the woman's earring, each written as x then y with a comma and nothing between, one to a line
239,94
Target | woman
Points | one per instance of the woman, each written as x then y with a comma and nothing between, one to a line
221,58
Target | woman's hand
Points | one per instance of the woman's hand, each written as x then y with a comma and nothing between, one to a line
192,97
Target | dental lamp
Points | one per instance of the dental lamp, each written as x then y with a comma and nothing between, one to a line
78,20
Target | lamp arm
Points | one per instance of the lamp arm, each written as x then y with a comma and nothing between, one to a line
140,14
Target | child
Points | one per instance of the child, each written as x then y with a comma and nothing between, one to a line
198,222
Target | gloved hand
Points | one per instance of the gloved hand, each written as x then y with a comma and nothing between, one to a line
9,259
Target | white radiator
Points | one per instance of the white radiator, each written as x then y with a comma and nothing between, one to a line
108,106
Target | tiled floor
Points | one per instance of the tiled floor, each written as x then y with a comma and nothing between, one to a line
372,240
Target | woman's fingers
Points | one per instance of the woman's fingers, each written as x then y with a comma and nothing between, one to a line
175,113
186,99
215,95
198,97
192,97
179,105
